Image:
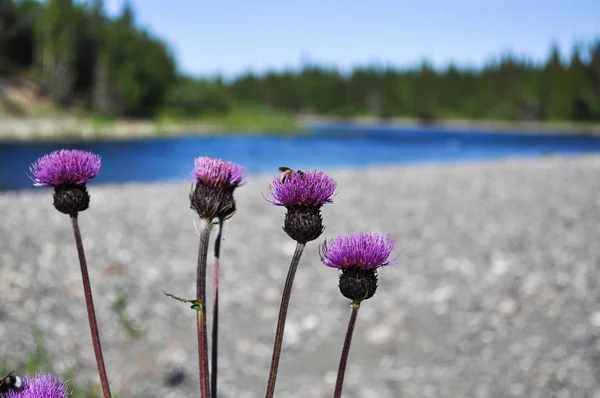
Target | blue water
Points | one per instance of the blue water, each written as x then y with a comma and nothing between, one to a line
325,146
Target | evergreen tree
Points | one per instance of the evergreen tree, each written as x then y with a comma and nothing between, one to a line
110,66
57,33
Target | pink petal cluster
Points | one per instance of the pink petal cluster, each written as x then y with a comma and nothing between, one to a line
310,188
358,250
218,173
65,167
41,386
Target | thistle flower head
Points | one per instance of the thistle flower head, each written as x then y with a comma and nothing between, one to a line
215,181
358,256
358,250
67,171
311,189
65,167
302,194
41,386
217,173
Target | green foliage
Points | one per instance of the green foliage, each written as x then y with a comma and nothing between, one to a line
16,33
505,89
119,306
113,68
193,98
239,119
254,119
82,58
141,69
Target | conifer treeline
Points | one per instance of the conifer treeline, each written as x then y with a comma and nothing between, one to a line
508,89
83,58
111,66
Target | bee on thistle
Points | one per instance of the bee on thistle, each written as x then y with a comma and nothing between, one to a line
302,193
286,173
10,382
38,386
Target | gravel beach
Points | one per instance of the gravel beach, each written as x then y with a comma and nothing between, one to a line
495,293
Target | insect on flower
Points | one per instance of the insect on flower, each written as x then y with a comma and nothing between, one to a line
286,172
10,382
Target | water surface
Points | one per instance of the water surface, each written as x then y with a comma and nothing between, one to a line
326,146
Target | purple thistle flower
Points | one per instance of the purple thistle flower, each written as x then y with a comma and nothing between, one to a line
215,181
302,194
65,167
218,173
41,386
311,188
358,255
67,171
358,250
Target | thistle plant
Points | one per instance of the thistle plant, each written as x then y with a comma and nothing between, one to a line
68,171
302,194
358,256
211,198
40,386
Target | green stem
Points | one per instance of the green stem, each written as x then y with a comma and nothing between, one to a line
346,350
285,301
201,297
87,289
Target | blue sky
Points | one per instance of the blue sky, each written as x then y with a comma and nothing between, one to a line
230,37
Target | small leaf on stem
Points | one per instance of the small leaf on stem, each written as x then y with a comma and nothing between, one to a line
196,304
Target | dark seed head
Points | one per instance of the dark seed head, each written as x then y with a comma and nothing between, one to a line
358,284
210,202
303,223
71,198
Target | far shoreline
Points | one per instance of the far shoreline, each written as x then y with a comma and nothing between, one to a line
65,129
471,125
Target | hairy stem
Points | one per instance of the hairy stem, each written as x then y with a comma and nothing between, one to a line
215,320
285,301
87,289
201,297
346,351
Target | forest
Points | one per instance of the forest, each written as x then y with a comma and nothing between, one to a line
82,59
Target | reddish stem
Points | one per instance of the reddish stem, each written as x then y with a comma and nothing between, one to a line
201,297
87,289
346,351
285,301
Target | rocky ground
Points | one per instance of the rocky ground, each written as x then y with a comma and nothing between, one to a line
495,293
60,128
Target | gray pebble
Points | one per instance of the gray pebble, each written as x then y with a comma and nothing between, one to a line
495,292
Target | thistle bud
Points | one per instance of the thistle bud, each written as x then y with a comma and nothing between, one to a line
215,181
